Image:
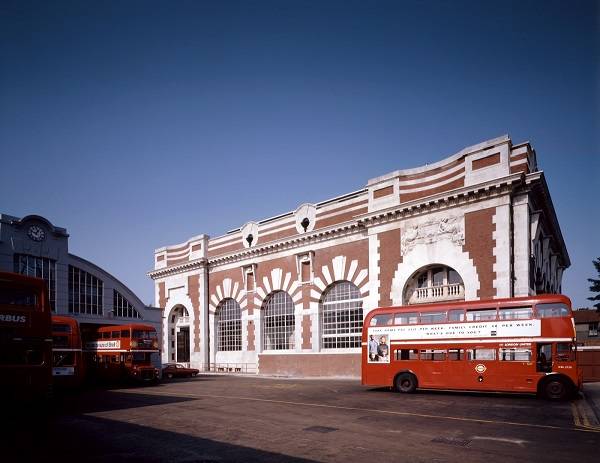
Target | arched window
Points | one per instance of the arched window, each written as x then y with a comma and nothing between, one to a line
434,283
278,322
341,316
229,325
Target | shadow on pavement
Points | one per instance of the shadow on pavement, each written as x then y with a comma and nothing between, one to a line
93,439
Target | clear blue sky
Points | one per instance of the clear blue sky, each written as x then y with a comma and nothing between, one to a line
137,124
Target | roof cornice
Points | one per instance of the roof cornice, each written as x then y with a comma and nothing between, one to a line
181,268
443,200
359,223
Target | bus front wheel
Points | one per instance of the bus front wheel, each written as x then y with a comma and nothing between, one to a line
556,389
406,382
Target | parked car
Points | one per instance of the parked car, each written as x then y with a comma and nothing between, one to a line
177,370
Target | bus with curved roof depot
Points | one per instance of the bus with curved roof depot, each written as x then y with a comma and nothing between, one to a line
124,352
524,344
68,368
26,353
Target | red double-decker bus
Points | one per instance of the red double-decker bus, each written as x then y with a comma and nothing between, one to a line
124,352
507,345
68,368
26,353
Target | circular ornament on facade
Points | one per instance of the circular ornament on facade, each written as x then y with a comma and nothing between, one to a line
480,368
249,234
306,216
36,233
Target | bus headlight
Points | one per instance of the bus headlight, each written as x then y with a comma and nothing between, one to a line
134,344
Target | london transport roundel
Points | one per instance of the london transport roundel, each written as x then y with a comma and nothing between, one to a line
480,368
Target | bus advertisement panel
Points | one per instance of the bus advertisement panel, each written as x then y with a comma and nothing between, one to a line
511,345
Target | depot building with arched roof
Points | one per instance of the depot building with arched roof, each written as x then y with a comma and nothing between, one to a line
78,288
288,295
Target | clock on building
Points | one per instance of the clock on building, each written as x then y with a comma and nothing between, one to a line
36,233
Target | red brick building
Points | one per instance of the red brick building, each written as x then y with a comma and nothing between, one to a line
288,294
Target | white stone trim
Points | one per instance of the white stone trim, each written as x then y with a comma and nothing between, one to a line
432,177
443,252
501,236
433,185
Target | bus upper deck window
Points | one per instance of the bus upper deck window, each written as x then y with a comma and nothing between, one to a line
116,334
61,328
409,318
433,317
381,319
105,334
552,310
515,313
456,315
477,315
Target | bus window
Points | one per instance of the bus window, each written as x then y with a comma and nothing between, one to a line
381,319
515,313
105,335
515,355
553,310
544,358
481,354
411,318
456,315
477,315
407,354
124,333
61,359
433,354
433,317
115,334
140,357
61,328
456,354
565,352
143,334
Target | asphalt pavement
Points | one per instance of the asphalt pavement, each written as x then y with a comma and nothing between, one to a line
221,418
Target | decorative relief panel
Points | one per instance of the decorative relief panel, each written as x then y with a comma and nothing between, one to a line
432,230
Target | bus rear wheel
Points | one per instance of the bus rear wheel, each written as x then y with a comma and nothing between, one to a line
556,389
406,382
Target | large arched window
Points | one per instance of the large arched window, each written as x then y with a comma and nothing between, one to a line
341,316
278,322
229,325
434,283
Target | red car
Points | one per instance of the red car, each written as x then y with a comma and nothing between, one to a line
177,370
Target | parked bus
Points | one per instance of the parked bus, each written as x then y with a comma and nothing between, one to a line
68,368
124,352
512,345
26,353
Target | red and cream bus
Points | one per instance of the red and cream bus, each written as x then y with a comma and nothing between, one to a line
124,352
26,353
68,368
511,345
